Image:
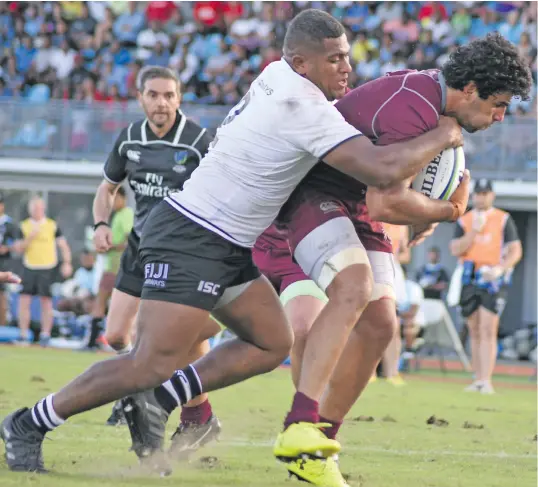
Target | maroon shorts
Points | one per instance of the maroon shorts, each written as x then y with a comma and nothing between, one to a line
308,208
275,262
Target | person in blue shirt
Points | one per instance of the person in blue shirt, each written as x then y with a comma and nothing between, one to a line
128,25
433,277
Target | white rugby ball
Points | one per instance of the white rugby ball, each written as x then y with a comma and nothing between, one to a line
440,178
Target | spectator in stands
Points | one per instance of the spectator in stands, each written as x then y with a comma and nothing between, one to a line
191,36
461,22
433,277
78,292
63,60
8,235
39,238
128,25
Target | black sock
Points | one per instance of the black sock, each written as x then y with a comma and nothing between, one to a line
95,330
179,389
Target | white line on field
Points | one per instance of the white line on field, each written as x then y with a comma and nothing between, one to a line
429,453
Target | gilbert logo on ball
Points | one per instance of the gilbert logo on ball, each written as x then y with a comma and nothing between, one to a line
440,178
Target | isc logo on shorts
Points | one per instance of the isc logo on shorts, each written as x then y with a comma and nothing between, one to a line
156,275
207,287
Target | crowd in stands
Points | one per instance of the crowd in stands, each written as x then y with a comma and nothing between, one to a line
93,51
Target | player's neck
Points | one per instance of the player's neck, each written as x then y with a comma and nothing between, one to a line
453,99
160,132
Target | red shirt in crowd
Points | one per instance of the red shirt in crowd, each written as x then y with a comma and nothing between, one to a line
160,11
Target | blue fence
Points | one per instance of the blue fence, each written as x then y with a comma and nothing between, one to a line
78,131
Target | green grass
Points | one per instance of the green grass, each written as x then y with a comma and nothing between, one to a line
406,452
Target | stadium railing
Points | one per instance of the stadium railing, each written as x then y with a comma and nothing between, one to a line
79,131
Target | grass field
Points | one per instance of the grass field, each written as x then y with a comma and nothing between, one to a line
397,448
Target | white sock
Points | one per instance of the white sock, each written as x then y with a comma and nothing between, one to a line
44,415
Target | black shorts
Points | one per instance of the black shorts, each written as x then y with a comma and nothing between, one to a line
130,276
37,282
472,297
187,264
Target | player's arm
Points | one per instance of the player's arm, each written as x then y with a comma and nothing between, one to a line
114,173
384,166
401,205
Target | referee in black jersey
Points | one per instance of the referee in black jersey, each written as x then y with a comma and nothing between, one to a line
155,155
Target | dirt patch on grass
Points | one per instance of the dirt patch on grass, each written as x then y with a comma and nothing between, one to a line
434,421
471,426
365,419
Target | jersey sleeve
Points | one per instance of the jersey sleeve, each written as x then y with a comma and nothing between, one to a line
458,231
510,233
316,126
114,170
58,233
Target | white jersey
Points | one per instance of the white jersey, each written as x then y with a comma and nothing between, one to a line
264,147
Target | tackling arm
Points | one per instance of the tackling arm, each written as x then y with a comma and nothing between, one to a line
401,205
384,166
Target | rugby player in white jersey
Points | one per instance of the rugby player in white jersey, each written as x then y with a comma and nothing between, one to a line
196,248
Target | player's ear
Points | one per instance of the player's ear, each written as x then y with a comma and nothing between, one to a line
139,97
470,89
299,64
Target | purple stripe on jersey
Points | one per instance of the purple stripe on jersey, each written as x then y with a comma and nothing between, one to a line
189,214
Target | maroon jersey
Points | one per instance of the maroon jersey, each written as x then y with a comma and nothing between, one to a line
394,108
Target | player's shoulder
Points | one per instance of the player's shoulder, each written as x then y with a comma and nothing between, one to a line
428,82
281,83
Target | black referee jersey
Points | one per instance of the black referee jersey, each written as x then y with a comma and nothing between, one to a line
154,166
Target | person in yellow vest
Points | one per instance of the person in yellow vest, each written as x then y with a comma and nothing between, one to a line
399,236
39,243
488,246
